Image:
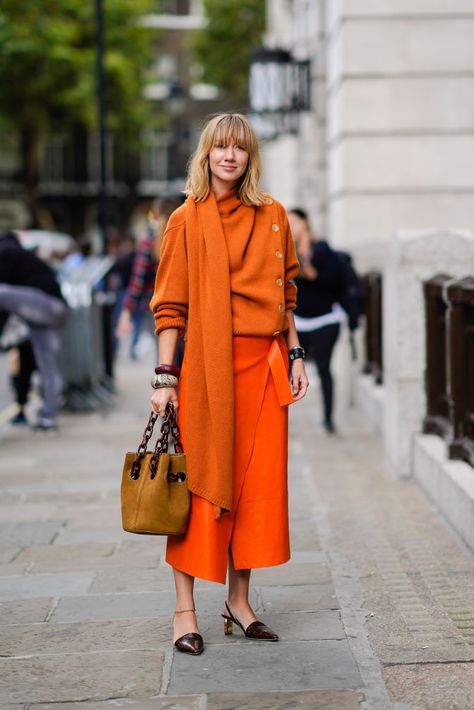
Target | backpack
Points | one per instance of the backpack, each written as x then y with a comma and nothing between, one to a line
352,297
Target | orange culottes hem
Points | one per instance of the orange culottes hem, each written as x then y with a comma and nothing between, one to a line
256,531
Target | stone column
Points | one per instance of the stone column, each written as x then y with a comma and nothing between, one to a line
413,257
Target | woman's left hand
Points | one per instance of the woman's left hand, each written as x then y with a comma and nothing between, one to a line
298,379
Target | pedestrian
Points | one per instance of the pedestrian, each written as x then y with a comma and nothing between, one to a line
15,339
323,298
141,284
24,367
119,277
29,289
225,275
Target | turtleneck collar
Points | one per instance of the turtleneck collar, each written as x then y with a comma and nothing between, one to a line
228,202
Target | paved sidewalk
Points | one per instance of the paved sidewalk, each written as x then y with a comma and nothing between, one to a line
375,609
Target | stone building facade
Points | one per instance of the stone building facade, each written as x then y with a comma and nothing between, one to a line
392,121
383,164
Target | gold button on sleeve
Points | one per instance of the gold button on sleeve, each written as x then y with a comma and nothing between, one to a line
275,227
279,255
280,308
279,282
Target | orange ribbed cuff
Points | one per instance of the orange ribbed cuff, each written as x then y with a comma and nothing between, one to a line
164,323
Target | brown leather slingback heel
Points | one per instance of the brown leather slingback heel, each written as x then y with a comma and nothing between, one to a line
257,630
191,643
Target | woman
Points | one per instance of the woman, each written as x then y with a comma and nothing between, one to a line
321,287
225,273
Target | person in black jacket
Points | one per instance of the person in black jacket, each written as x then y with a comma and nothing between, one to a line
322,288
28,288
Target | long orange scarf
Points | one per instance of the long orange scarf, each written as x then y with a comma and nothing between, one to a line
210,393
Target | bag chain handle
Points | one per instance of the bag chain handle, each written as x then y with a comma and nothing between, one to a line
141,451
170,425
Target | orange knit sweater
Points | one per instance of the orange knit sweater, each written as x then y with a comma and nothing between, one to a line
225,268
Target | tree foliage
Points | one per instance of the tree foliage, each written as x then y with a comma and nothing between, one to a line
47,62
223,47
48,77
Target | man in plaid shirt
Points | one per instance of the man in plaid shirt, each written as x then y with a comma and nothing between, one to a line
142,282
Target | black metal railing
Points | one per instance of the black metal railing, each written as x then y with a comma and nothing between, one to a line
461,368
449,376
372,282
437,419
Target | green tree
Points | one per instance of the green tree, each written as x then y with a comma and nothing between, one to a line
47,72
223,47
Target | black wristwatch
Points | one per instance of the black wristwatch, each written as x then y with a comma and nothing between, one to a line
297,353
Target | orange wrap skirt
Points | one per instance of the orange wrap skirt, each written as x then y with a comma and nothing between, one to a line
256,532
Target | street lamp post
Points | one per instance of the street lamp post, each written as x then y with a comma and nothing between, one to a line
100,84
102,204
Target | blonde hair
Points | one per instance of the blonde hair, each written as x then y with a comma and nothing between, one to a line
221,128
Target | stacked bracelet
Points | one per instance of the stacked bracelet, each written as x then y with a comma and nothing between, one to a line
163,380
296,353
167,370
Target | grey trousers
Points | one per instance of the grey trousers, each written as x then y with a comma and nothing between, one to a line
45,316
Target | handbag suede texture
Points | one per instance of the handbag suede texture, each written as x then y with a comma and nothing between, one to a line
155,505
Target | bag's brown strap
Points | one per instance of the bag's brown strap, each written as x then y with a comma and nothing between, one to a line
141,451
170,425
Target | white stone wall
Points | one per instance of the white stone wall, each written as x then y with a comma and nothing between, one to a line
387,141
400,116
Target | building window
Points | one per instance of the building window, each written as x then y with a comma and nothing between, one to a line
53,168
154,157
9,155
173,7
93,158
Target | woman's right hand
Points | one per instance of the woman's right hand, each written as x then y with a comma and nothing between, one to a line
161,397
124,325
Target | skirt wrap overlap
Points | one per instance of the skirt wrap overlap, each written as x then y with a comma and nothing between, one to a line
256,531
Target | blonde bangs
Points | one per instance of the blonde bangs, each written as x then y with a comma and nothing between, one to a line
221,129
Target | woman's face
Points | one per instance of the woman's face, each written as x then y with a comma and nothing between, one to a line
227,162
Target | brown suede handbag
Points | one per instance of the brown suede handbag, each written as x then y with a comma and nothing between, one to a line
154,492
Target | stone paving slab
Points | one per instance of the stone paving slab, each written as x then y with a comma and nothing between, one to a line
292,626
88,556
183,702
304,597
75,677
302,700
26,512
25,611
136,580
107,513
84,637
292,574
309,665
29,533
78,536
8,552
19,639
128,606
30,586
